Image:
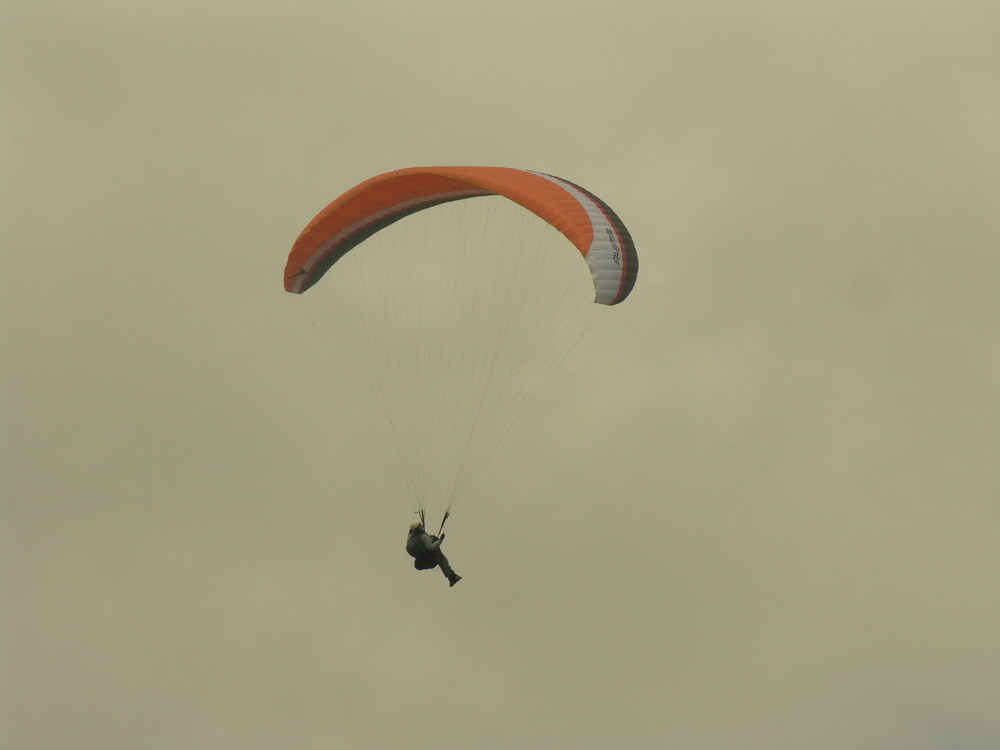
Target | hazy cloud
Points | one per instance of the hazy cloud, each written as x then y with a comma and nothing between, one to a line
780,528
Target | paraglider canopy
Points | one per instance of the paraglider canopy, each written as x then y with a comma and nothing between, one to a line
369,207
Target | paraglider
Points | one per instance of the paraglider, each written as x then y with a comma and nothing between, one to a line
456,311
425,549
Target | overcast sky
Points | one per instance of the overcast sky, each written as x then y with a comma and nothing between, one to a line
782,531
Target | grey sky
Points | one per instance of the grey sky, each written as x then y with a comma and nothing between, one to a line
781,529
